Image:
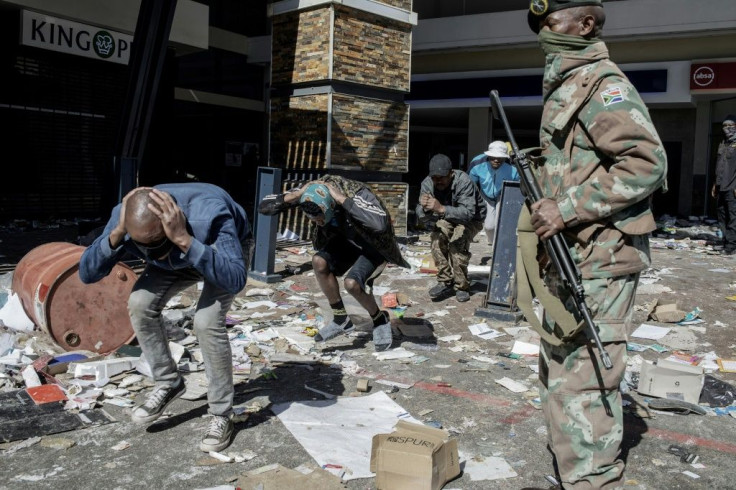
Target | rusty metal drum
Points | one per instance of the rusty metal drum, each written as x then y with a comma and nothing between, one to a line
77,316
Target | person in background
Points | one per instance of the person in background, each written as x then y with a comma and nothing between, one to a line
489,175
186,233
601,161
451,207
724,188
353,237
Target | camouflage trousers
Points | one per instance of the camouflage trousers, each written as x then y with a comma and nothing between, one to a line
451,251
581,398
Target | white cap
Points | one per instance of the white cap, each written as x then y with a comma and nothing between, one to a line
497,149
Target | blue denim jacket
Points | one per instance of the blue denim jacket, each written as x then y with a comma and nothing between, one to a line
220,232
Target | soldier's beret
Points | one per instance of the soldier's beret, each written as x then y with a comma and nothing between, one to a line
539,9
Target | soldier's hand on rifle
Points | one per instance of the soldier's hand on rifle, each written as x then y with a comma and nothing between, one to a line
546,218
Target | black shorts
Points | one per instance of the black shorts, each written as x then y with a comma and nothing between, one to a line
344,258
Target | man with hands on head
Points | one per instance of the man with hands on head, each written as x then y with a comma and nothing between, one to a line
353,237
186,233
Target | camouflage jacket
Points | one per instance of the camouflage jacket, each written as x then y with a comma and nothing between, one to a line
362,212
603,159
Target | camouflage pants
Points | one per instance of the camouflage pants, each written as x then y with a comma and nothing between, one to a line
581,398
451,251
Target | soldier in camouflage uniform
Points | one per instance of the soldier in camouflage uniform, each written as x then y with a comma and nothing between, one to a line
451,206
601,161
353,237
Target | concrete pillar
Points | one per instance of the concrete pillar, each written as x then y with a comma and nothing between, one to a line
339,75
690,192
478,131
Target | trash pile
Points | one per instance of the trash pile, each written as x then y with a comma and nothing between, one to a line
698,233
272,327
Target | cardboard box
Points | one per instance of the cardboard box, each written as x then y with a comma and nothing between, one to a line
663,311
414,457
668,379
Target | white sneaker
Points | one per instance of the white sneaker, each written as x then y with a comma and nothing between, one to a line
156,403
218,435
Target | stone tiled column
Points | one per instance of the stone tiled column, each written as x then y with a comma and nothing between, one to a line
339,74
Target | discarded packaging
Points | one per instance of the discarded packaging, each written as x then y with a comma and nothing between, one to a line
362,385
103,370
666,312
668,379
389,300
414,457
717,393
46,394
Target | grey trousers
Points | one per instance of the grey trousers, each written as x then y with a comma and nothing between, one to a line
150,294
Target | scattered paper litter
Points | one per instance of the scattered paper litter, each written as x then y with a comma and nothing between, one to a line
652,332
398,384
450,338
653,289
255,304
120,446
340,432
488,468
13,316
727,365
483,331
479,269
525,348
691,475
512,385
397,353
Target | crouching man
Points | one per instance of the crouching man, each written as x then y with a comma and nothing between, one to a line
452,208
353,237
186,233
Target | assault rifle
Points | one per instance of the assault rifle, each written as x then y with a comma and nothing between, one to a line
556,247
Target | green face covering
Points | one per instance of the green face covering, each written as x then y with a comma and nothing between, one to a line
554,42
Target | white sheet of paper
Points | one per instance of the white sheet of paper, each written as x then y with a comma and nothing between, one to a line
728,365
490,468
479,269
341,431
397,353
255,304
512,385
483,331
652,332
13,316
514,331
525,348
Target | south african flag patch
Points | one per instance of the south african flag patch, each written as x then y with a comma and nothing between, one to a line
613,95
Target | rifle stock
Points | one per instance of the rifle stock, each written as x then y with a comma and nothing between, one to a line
556,247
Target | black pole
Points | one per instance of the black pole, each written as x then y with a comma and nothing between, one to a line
146,63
